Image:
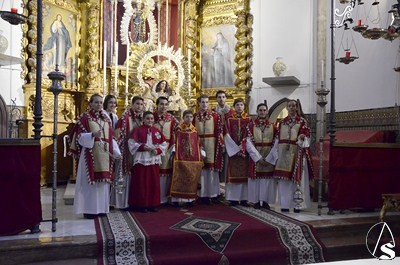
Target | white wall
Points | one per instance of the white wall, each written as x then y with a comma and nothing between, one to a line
11,81
368,82
287,28
283,28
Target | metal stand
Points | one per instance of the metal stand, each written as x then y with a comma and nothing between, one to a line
37,124
344,17
56,77
320,181
322,92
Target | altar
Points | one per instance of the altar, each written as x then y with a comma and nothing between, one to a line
360,173
20,185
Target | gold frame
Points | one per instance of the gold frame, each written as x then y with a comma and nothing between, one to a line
73,98
50,9
196,15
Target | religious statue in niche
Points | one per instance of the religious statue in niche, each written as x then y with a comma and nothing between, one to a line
158,68
138,25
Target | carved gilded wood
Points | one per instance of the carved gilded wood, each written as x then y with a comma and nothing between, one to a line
203,19
81,19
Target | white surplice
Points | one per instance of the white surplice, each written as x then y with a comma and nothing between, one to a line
91,199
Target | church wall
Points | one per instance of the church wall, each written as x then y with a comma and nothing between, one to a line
283,29
288,29
370,81
11,81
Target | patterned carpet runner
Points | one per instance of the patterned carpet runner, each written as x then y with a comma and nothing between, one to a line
216,234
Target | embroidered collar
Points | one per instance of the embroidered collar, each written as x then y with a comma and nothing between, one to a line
206,115
261,122
243,115
290,119
163,117
136,115
96,115
184,127
223,110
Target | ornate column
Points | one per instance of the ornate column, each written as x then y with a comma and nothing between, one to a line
92,77
191,37
244,50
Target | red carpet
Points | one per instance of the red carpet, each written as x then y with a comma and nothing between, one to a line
215,234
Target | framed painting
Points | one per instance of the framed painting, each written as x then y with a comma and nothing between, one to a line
218,57
60,41
217,42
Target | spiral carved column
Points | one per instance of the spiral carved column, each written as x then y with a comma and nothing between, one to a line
243,51
92,44
191,38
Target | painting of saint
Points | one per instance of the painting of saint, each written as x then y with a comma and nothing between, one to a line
217,63
222,62
60,41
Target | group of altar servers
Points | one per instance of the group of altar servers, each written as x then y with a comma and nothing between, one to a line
145,159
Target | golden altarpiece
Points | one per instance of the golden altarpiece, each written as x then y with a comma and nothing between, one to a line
214,53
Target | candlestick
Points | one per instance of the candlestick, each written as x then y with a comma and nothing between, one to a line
116,70
322,71
348,54
104,67
128,48
166,22
359,22
14,10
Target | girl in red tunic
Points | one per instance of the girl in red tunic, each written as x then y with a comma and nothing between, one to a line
146,144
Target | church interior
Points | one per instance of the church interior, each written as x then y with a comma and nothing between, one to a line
339,59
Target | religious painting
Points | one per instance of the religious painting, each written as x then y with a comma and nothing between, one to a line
217,38
217,56
60,43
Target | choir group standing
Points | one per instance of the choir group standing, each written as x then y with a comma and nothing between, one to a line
161,161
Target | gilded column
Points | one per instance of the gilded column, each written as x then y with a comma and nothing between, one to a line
92,49
29,43
191,38
243,51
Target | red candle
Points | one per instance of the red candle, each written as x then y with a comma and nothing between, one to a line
359,22
347,54
14,10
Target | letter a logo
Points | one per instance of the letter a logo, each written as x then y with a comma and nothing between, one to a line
380,242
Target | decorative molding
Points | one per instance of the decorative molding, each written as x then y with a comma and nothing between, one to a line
212,10
216,21
199,15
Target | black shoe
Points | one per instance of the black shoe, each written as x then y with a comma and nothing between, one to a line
266,206
257,206
89,216
233,203
215,199
190,204
296,210
175,204
143,210
244,203
206,201
284,210
152,209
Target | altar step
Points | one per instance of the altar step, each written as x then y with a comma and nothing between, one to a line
344,240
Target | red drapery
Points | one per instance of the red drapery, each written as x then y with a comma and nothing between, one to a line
20,204
361,173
